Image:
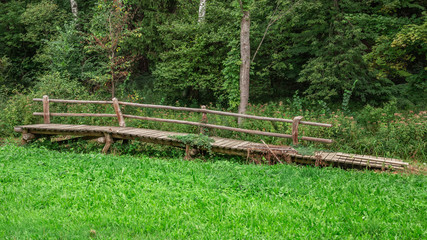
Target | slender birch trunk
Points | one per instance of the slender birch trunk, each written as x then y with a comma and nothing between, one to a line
74,8
245,54
202,11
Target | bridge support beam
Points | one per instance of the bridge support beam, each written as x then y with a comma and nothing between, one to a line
108,142
27,137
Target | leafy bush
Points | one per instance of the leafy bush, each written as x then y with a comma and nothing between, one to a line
200,141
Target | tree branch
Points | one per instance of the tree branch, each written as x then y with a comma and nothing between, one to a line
271,22
241,5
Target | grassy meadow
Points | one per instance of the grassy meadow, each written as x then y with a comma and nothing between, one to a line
46,194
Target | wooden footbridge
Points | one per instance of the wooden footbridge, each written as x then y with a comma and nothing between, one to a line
257,152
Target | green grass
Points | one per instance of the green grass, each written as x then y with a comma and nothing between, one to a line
47,194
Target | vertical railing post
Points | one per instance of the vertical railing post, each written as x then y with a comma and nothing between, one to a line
46,111
118,113
204,120
295,124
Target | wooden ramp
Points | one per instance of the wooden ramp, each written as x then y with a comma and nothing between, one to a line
221,145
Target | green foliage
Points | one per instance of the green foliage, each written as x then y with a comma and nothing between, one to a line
199,141
57,86
305,150
5,64
347,96
64,54
69,195
24,28
400,58
231,76
40,21
18,110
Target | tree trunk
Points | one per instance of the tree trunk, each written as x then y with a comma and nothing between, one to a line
113,87
202,10
245,54
74,8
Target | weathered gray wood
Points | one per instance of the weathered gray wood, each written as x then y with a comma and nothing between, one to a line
219,142
231,144
371,158
118,113
46,112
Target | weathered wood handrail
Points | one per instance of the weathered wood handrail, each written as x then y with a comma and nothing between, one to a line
199,110
203,124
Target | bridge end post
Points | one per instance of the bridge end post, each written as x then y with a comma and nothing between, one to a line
118,112
204,119
295,123
46,111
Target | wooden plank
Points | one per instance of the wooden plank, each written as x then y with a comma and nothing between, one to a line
74,101
126,131
130,131
241,144
231,144
228,144
157,134
150,134
386,160
219,142
77,114
224,143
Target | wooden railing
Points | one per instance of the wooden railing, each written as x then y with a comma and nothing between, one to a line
296,121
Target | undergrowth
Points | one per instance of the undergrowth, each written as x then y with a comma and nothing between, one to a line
199,141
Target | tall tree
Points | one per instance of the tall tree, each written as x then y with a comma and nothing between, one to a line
245,55
202,10
74,8
113,29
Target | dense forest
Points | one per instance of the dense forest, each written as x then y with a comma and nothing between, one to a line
164,49
327,53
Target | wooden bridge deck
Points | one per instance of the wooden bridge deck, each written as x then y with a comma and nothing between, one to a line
221,145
